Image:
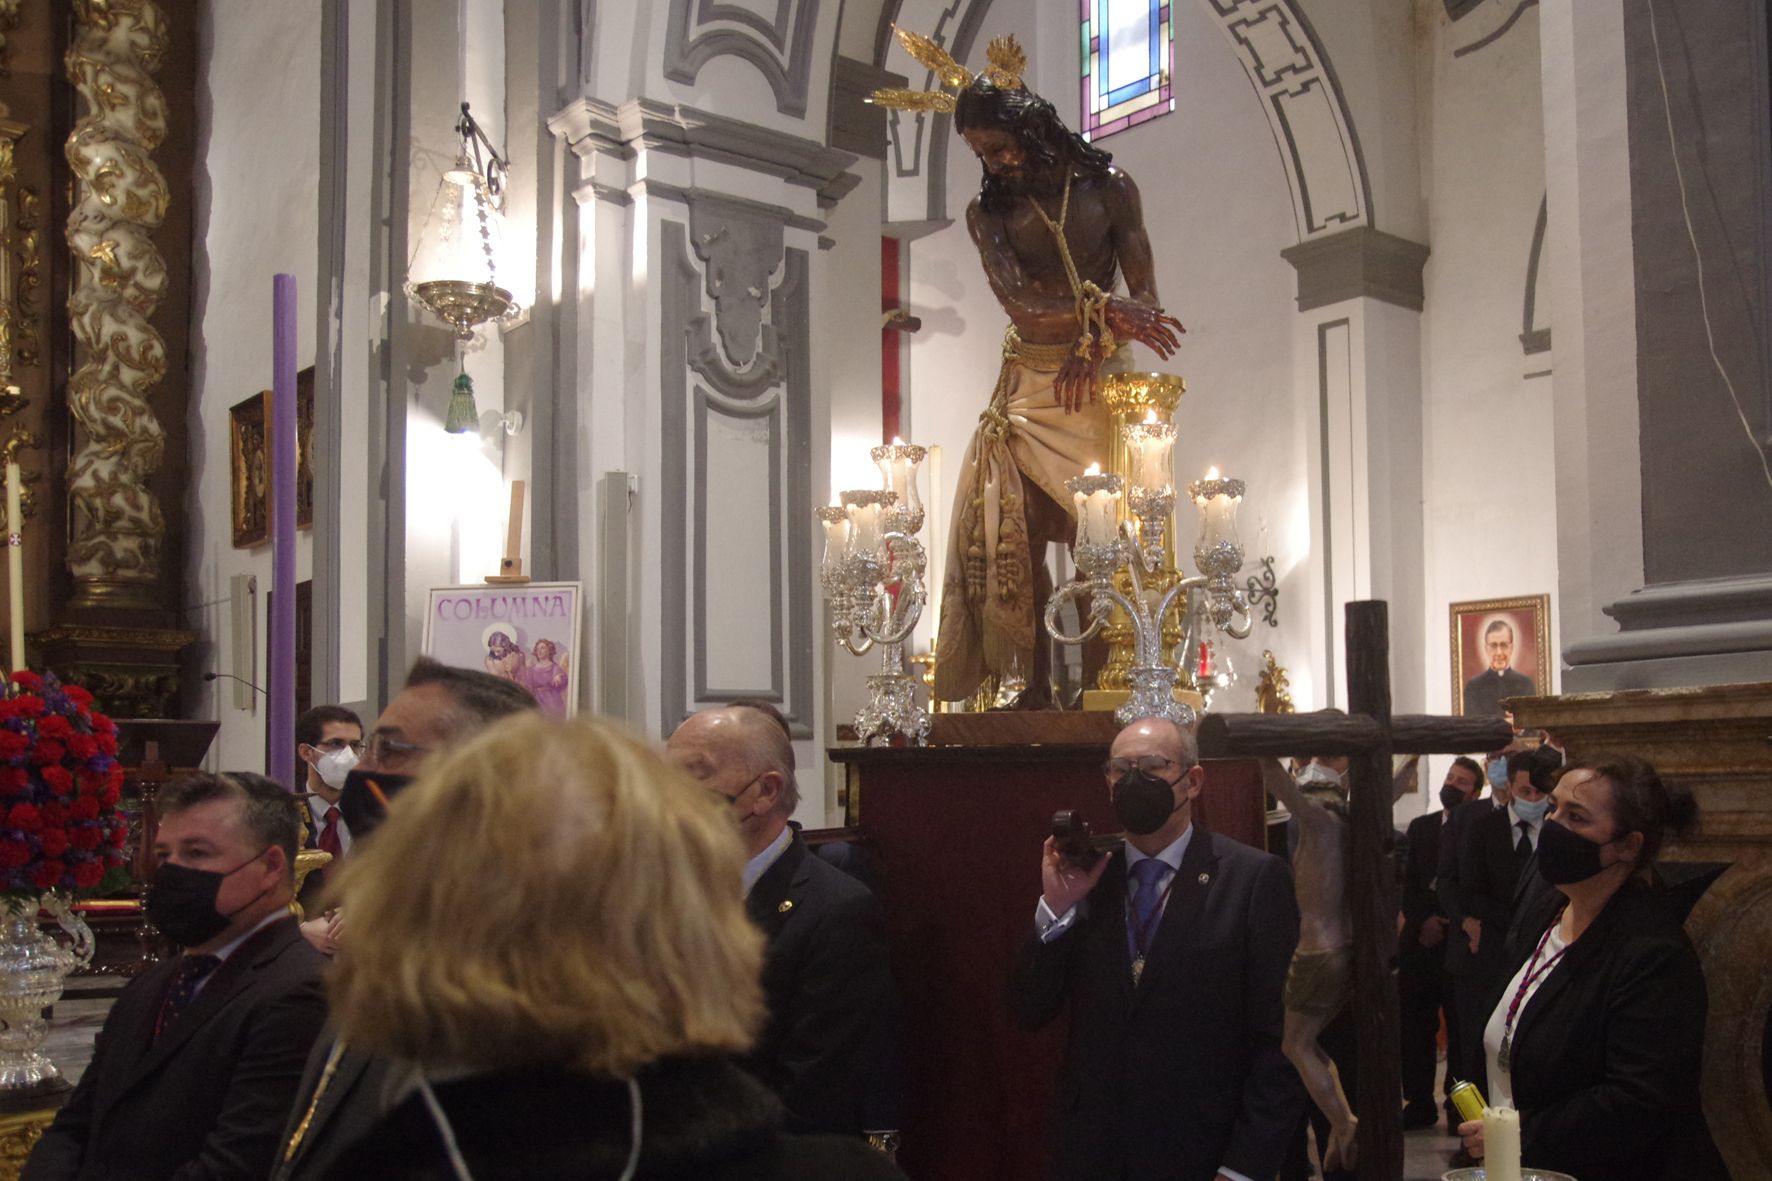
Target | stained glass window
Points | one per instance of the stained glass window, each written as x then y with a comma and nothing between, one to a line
1128,49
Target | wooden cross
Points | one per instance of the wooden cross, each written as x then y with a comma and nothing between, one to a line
1368,735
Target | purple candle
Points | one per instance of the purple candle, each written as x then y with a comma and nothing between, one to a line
281,719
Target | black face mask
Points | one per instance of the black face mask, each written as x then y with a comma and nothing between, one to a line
1143,802
181,902
1451,797
363,802
1565,857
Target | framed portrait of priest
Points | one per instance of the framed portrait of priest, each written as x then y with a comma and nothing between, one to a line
523,632
1501,648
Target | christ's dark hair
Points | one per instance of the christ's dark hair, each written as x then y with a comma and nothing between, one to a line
1047,142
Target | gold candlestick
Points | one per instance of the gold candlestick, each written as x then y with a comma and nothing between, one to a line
1129,397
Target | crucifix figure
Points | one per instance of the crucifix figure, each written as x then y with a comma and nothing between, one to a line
1367,736
1320,982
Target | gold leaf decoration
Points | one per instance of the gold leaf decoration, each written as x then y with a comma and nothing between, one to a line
1007,62
913,100
934,57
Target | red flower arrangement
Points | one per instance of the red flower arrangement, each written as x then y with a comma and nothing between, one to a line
59,782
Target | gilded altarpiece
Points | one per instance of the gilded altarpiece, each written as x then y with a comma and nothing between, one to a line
97,130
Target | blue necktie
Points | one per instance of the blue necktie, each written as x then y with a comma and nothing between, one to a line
1147,902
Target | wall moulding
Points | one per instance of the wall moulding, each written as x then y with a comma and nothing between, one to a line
779,47
592,127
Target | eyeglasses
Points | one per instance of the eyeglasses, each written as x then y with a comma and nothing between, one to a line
333,745
1149,764
382,750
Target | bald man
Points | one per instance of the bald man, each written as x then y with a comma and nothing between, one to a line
830,1047
1171,955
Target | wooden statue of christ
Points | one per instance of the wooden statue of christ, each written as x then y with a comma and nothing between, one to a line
1056,224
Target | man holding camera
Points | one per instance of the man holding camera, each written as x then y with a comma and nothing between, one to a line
1172,954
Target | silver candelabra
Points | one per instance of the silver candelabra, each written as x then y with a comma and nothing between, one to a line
873,578
1105,545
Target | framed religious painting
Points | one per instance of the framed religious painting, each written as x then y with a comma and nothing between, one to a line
526,632
249,463
249,470
1501,648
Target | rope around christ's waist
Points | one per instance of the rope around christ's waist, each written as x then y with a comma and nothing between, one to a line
1045,358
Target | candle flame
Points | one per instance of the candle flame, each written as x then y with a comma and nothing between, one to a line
1150,417
1212,473
1093,469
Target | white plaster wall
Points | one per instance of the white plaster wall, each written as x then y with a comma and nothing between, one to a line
627,51
1218,212
1372,45
1490,457
258,152
456,495
846,397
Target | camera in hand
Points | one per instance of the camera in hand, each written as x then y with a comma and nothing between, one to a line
1076,843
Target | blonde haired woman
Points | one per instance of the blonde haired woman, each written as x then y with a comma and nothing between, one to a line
551,926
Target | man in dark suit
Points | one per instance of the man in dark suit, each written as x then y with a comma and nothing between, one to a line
200,1057
345,1093
1484,693
1493,850
1423,987
1464,1060
1535,899
1171,954
829,1049
328,741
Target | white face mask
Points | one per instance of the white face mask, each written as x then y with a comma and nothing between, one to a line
1317,775
334,765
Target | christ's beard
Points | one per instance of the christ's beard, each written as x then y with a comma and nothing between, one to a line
1029,181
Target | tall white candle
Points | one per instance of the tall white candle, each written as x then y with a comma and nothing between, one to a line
15,564
938,549
1102,514
1218,500
899,474
1154,449
836,532
1501,1144
864,528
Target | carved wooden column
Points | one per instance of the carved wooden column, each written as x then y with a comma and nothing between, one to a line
115,635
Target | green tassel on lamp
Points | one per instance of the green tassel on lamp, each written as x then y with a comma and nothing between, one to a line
463,416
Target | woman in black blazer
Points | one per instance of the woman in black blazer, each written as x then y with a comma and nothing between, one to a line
1597,1036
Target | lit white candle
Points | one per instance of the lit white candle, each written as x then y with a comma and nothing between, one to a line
864,528
15,564
1501,1144
836,531
1096,499
938,550
899,473
1103,514
1217,500
1154,449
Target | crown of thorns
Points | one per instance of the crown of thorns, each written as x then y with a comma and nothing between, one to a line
1006,61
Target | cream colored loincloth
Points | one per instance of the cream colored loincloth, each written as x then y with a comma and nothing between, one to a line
987,604
1319,982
